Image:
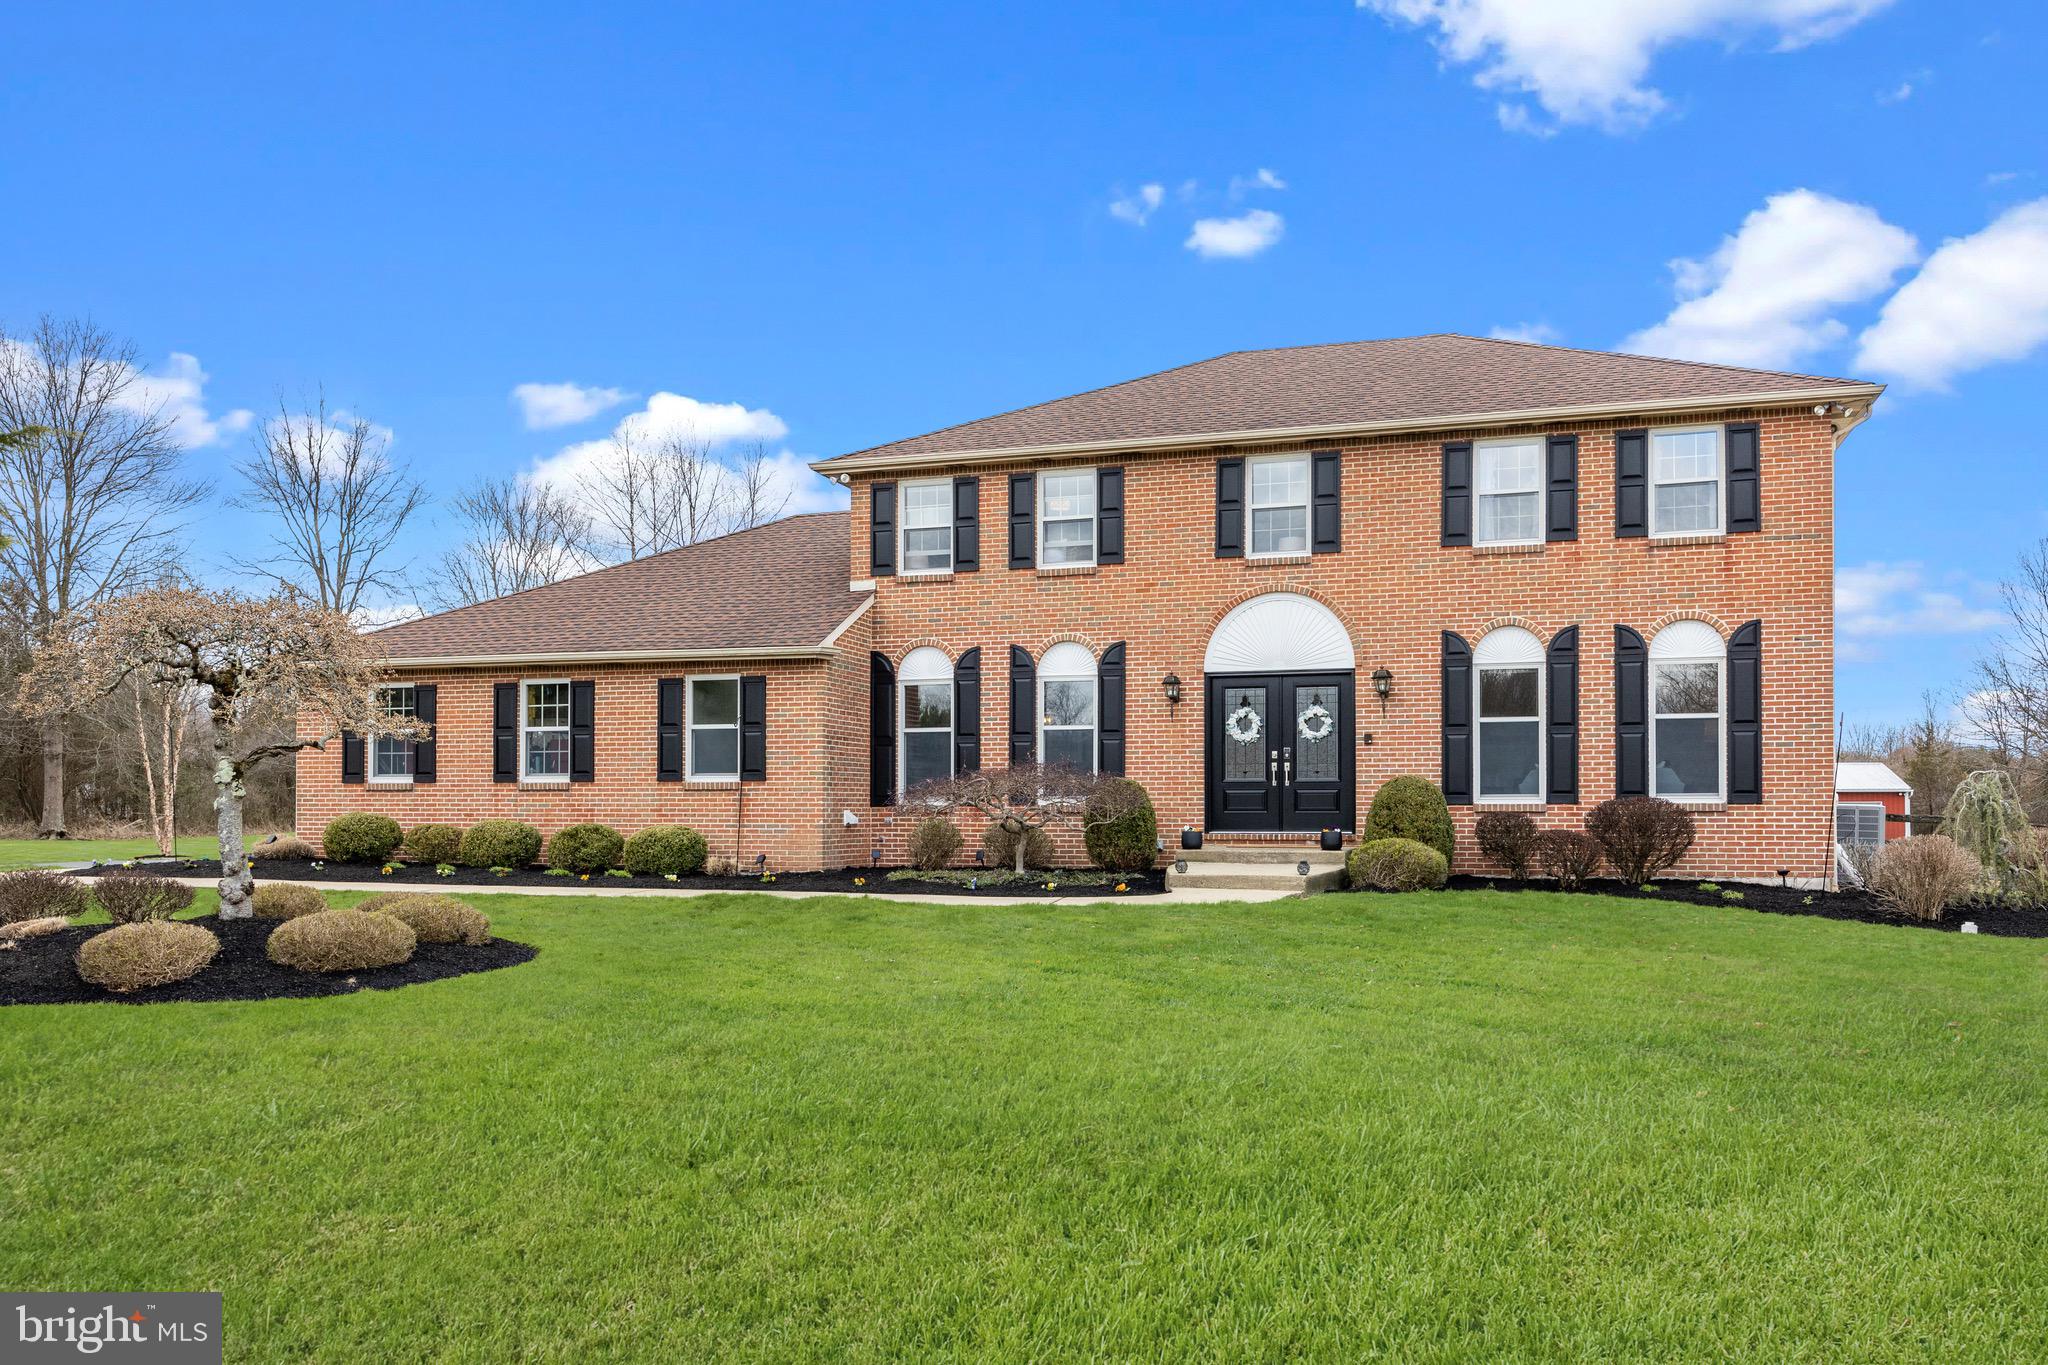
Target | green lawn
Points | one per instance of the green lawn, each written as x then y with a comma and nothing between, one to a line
46,852
1437,1127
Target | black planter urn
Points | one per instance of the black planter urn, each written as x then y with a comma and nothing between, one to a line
1333,839
1191,838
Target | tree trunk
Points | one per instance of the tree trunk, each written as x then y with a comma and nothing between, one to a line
52,825
236,885
1023,843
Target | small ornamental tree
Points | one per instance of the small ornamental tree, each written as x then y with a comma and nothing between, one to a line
1032,796
248,659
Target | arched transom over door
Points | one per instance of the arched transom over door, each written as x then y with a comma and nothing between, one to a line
1278,678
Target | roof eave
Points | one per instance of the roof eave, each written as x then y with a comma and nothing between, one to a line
611,656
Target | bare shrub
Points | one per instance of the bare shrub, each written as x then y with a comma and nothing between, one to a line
432,918
1641,835
1568,856
283,848
341,941
933,844
136,900
133,957
1507,839
35,893
1922,876
287,900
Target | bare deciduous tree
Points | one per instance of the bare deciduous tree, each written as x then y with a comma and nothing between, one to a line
89,503
757,496
161,711
652,494
1029,796
516,535
337,500
2009,706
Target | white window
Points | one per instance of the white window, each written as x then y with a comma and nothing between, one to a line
544,732
391,756
1278,511
1509,486
1688,697
928,526
1508,757
924,699
1685,482
714,726
1066,518
1859,823
1067,696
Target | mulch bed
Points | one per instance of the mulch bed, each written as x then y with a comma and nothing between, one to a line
42,970
847,879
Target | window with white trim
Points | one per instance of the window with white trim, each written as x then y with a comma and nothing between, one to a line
1066,518
1507,756
1688,701
1277,514
1068,693
391,756
1508,483
1859,823
924,700
544,731
714,728
928,526
1686,469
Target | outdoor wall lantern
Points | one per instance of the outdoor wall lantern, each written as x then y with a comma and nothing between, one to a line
1171,684
1383,684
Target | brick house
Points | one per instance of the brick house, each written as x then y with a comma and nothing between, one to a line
1260,585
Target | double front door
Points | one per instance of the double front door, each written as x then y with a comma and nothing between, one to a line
1279,752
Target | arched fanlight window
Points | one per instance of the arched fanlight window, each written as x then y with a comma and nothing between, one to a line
1067,707
1508,756
1688,704
924,698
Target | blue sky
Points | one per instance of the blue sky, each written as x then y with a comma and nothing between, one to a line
858,223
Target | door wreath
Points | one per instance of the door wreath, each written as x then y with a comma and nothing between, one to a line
1316,722
1244,725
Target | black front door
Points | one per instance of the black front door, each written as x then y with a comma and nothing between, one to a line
1279,752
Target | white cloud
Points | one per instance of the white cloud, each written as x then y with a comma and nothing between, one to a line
1588,61
1979,300
561,405
1898,94
1880,600
1138,207
1234,238
666,414
1261,179
1542,333
1766,294
178,392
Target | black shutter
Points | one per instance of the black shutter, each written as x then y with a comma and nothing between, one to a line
1326,505
668,730
1457,720
967,711
1741,446
1230,509
1631,484
881,730
582,731
1457,513
1023,707
753,727
351,756
1631,714
425,709
1561,721
966,524
505,732
1561,488
1746,715
1109,516
882,529
1109,719
1023,527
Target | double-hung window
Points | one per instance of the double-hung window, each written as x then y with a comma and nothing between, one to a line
1686,468
924,697
544,732
1687,701
714,725
1859,822
1067,697
1508,482
1509,753
928,526
1278,511
1066,518
391,756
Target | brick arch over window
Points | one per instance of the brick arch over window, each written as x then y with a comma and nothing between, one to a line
1280,585
1067,637
1706,618
927,642
1512,623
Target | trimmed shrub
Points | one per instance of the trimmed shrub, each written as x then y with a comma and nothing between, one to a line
37,893
361,837
1568,856
499,843
933,843
286,900
341,941
134,957
660,850
1507,839
1924,875
1120,827
283,847
1411,808
999,847
433,918
136,900
1396,865
1641,835
586,848
433,843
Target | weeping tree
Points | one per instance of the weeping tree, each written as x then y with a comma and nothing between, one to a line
244,659
1032,796
1986,818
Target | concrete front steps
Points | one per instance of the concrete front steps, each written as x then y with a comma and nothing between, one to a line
1256,866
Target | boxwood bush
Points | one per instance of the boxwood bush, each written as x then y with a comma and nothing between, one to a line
1396,865
1119,826
133,957
434,918
1411,808
665,850
499,843
433,843
361,837
341,941
585,848
286,900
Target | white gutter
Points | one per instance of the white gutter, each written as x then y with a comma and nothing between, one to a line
616,656
1837,393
